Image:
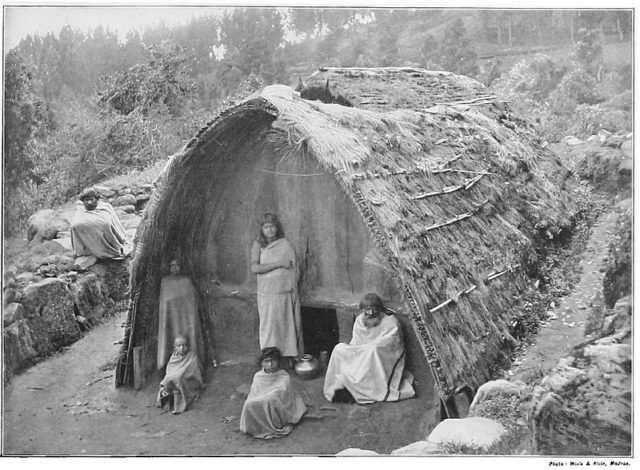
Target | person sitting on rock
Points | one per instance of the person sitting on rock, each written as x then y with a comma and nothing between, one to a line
96,229
182,381
273,405
371,367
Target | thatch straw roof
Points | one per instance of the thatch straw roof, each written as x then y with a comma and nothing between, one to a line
383,89
454,196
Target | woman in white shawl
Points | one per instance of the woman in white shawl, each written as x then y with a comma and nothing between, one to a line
273,405
273,259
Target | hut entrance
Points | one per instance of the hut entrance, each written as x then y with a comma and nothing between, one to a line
319,329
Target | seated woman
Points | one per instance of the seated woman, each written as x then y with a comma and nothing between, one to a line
96,229
272,405
183,380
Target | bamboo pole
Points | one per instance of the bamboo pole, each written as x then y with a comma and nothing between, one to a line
402,171
450,189
470,289
455,219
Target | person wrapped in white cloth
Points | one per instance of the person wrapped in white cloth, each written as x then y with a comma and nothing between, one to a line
371,366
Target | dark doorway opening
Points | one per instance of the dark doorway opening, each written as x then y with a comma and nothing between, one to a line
319,329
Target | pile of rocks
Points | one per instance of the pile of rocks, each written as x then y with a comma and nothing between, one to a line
50,297
583,407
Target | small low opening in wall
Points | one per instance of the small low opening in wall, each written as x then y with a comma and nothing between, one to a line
319,329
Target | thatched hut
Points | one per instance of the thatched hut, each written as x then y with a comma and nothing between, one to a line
418,186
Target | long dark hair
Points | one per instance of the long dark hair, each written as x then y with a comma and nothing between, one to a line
271,219
271,352
374,301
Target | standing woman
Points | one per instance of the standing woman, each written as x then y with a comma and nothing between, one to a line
273,259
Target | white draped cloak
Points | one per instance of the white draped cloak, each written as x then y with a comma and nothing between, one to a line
278,304
178,315
371,366
98,232
183,376
272,406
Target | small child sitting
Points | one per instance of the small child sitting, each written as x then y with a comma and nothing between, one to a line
183,379
272,405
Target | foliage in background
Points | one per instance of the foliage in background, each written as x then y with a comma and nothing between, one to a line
456,53
163,81
57,140
25,120
588,51
564,99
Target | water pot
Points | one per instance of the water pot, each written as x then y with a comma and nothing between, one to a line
307,367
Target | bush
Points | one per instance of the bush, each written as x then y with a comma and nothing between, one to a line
618,278
622,101
533,80
19,203
575,87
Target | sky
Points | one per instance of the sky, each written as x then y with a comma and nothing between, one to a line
23,17
19,21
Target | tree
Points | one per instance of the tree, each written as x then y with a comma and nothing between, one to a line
164,80
387,41
252,37
456,54
25,119
587,53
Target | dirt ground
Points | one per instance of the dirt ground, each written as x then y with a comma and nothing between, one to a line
68,405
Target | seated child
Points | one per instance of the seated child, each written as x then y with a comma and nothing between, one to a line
272,405
183,380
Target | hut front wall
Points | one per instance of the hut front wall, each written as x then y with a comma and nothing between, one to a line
336,255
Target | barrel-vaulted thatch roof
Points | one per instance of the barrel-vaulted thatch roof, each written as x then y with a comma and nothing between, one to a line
452,190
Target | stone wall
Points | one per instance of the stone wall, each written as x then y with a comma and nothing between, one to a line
50,297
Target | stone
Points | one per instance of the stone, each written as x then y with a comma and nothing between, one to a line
45,225
9,274
127,209
48,270
354,451
475,432
627,148
89,297
114,277
65,243
83,263
49,310
123,190
24,279
143,197
126,200
623,306
593,418
419,448
10,295
19,350
132,222
36,255
12,313
610,357
564,376
104,191
616,322
62,260
500,387
571,140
